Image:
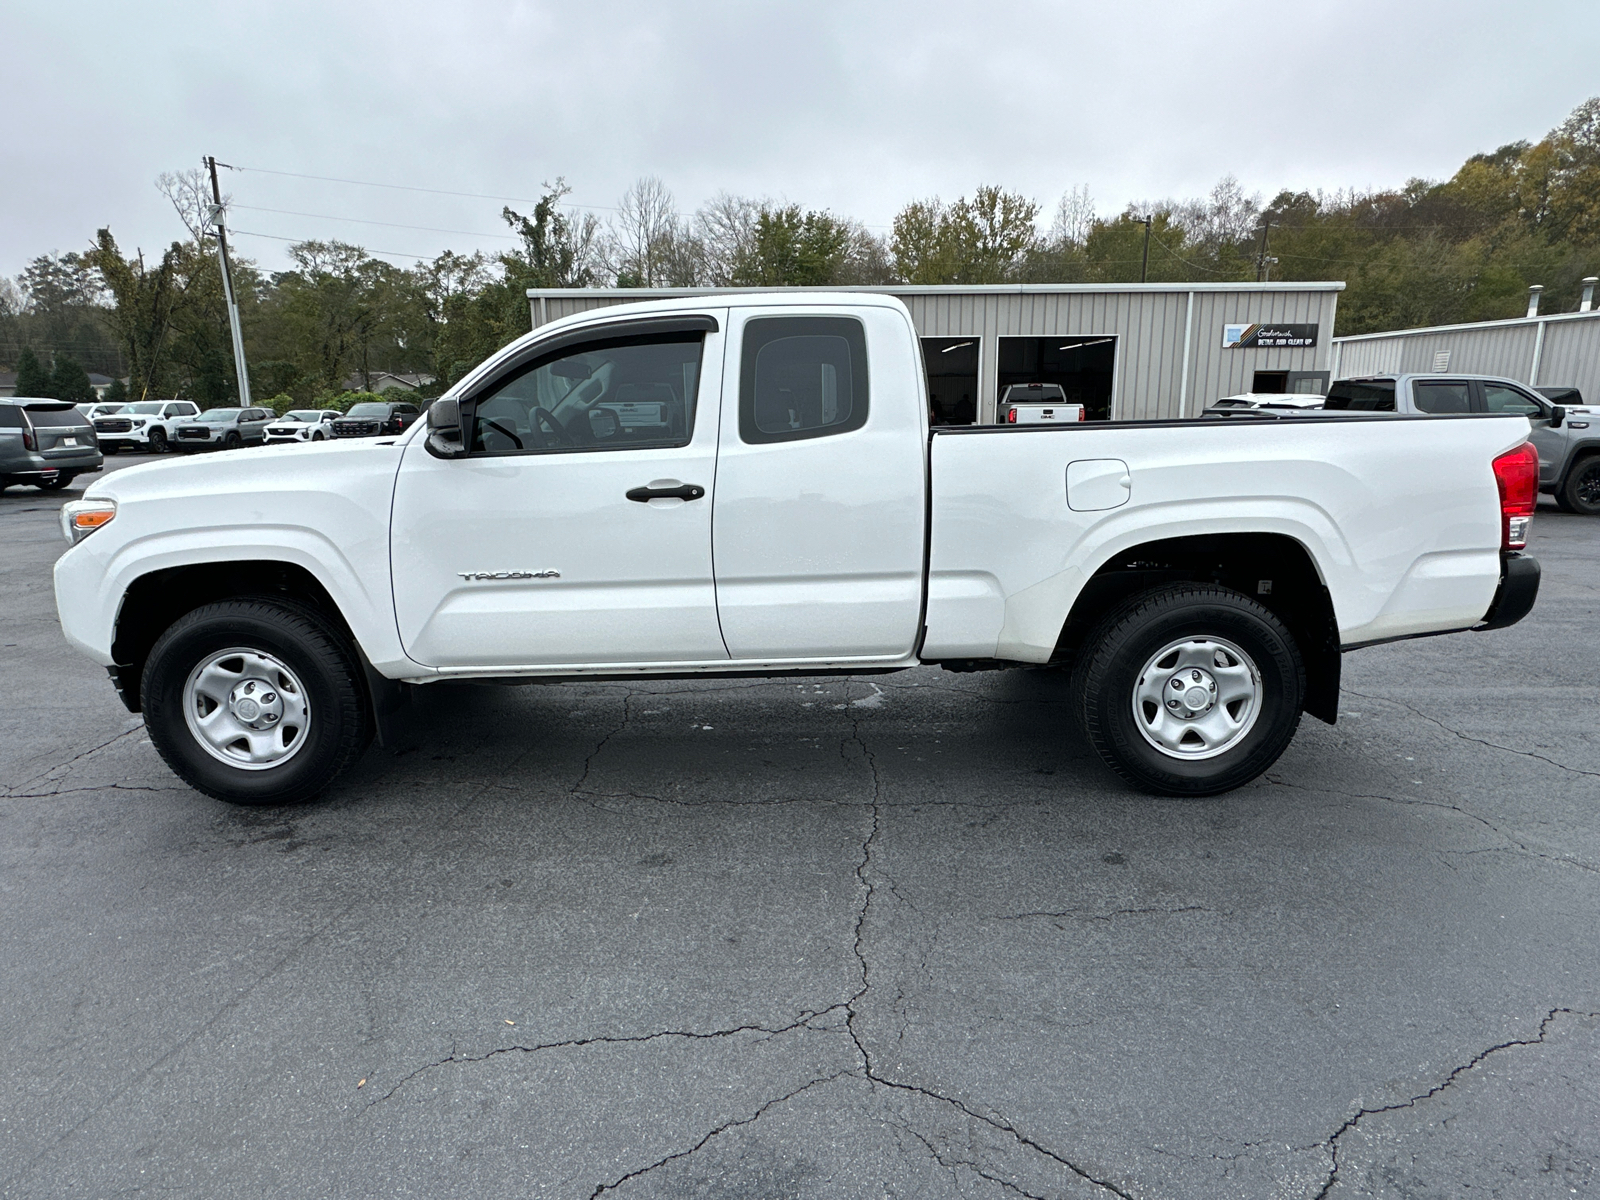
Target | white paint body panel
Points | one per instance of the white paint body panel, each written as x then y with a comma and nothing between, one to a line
1401,519
322,507
634,581
819,542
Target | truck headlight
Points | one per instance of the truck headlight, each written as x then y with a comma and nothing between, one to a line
80,518
138,423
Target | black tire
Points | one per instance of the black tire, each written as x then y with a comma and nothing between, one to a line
1114,654
109,448
1581,491
231,440
340,725
53,485
158,441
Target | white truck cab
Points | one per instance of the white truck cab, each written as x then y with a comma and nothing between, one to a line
682,488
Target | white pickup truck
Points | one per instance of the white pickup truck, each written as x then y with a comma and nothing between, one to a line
749,485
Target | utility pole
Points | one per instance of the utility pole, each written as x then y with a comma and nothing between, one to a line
1144,265
1261,254
227,286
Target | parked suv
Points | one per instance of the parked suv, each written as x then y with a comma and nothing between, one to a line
302,425
47,443
372,418
228,428
143,425
1568,439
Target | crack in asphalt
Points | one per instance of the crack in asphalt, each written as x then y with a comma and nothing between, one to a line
1467,737
1332,1141
11,791
1516,845
601,1189
951,1165
1090,914
869,890
804,1022
103,787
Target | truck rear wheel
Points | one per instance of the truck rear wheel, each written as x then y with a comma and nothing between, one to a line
255,702
1190,689
1581,492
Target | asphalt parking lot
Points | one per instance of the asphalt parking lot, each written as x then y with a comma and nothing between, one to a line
813,938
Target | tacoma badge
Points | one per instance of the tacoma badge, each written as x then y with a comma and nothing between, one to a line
482,575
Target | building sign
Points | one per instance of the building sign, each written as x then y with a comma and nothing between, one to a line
1245,337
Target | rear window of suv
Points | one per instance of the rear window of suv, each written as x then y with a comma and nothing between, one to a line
56,417
1375,395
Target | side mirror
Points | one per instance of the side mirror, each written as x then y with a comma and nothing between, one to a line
444,428
1558,416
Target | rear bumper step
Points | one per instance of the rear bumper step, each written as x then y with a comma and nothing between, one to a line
1519,588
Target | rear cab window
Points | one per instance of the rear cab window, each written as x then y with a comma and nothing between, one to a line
1442,396
1362,395
802,377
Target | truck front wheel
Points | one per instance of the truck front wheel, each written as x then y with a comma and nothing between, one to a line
1190,689
255,701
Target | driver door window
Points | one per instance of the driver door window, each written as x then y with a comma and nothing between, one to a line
1497,398
624,394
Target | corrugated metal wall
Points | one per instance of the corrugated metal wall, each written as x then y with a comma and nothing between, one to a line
1151,325
1569,355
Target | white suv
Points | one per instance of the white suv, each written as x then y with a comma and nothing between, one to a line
302,425
143,425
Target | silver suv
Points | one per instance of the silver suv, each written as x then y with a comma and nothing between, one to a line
44,442
227,428
1567,437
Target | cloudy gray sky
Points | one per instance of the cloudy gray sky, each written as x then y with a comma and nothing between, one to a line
856,107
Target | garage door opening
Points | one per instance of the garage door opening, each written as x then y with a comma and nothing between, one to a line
1082,366
952,364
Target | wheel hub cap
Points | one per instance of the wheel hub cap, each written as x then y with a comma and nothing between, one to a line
1197,697
246,708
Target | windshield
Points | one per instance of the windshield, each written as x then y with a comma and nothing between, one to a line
1366,395
220,416
143,406
369,410
308,415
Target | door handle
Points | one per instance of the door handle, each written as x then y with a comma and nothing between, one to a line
684,491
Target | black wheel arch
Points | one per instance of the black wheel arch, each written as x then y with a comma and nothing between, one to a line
154,601
1294,593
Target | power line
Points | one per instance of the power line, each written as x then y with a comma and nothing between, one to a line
408,187
382,253
289,212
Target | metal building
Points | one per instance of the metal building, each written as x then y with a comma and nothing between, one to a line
1132,351
1560,349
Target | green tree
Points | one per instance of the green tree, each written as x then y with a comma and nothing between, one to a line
983,240
145,300
117,393
792,248
69,381
32,378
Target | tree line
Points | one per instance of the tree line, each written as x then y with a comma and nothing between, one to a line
1429,253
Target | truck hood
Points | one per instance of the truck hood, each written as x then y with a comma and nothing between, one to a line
257,472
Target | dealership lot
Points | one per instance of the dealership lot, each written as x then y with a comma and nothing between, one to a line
813,937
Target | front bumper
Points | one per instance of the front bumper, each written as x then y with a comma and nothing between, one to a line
1519,588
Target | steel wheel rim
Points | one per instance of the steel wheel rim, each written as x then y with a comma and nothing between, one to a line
1197,697
246,708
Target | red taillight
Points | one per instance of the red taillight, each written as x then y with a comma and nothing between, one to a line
1011,417
1082,412
29,442
1516,474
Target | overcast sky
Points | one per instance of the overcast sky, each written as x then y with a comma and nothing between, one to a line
857,107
